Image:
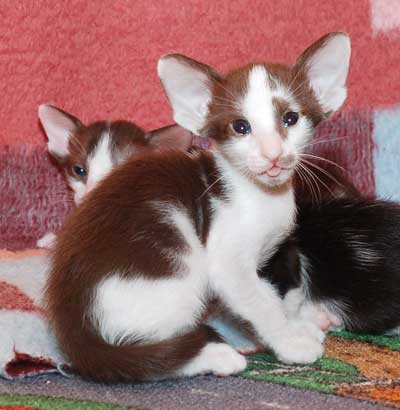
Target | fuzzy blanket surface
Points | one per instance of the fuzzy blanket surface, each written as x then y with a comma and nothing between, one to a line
98,61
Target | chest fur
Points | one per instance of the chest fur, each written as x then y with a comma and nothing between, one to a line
250,223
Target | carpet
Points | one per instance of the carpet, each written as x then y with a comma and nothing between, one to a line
354,366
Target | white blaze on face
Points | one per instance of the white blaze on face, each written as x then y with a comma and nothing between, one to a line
264,147
257,105
100,162
99,165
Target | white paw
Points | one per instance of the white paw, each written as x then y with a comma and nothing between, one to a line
225,360
300,342
216,358
47,241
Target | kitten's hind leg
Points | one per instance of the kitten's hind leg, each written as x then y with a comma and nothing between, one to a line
216,357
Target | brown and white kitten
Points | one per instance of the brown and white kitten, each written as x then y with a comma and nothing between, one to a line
87,153
138,263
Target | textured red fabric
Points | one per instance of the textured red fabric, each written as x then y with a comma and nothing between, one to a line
348,141
34,198
25,365
17,408
12,298
98,59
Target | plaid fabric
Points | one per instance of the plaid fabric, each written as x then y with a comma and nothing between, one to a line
98,60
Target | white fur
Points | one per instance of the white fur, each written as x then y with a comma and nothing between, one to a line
216,358
99,165
155,309
233,263
257,150
298,304
243,234
327,71
126,309
100,161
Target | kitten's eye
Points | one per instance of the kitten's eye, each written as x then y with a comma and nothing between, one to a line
290,118
79,171
241,127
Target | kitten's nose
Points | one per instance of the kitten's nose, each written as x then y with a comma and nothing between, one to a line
272,148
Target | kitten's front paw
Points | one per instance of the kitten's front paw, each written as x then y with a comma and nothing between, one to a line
300,342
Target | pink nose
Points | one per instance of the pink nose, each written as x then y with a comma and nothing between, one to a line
273,154
272,148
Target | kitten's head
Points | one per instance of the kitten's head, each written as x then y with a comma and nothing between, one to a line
88,153
262,115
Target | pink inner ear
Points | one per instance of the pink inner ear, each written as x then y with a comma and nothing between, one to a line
172,136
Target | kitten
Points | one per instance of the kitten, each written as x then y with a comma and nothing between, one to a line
338,268
315,196
139,262
343,269
87,153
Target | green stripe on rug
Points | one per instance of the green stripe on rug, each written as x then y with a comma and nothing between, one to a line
49,403
325,375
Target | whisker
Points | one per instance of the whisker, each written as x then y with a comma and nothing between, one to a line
324,159
321,141
227,100
304,177
324,171
315,182
319,179
225,89
209,187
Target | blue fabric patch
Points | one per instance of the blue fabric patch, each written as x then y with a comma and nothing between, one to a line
387,153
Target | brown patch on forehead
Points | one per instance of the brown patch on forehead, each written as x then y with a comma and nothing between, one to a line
223,109
228,90
296,83
125,138
281,107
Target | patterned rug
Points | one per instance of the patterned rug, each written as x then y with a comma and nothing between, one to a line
366,367
354,365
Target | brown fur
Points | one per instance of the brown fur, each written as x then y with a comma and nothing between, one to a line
222,113
85,253
117,220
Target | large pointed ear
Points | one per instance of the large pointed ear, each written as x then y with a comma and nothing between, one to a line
172,136
59,127
188,85
326,64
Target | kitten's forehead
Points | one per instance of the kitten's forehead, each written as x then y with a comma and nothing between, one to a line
116,139
263,91
260,83
258,102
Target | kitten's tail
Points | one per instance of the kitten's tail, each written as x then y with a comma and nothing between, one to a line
95,359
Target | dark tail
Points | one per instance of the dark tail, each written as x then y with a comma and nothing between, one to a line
95,359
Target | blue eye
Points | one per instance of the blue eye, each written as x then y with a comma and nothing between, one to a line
290,118
241,127
79,171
